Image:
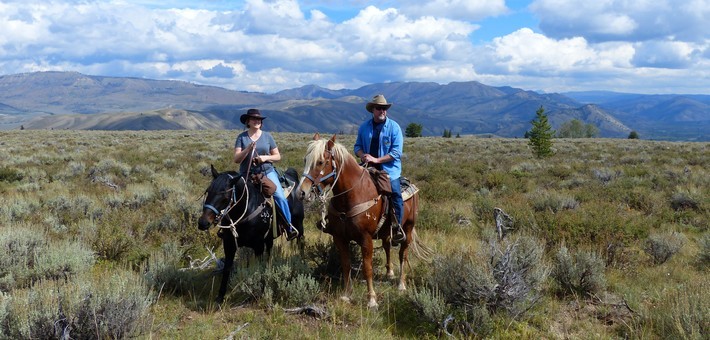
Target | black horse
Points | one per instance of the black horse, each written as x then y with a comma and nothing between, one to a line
239,207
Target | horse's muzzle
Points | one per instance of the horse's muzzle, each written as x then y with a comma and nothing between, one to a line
205,221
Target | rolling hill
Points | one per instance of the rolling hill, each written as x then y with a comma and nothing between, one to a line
70,100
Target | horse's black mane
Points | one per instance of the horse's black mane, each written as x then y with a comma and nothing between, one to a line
222,181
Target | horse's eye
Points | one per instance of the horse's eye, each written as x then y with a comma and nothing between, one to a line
320,163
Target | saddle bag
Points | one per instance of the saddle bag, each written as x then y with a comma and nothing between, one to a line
268,188
382,181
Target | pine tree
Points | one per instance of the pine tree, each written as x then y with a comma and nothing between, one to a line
413,130
540,135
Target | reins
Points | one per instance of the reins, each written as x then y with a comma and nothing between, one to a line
327,201
232,203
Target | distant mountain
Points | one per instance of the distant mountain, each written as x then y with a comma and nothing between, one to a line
681,117
163,119
72,92
70,100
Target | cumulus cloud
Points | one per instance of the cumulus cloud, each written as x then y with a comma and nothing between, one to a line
665,54
218,71
456,9
624,20
270,45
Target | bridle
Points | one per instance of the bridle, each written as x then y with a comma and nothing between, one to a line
326,196
318,181
233,202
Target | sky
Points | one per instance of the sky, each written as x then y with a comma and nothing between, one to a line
634,46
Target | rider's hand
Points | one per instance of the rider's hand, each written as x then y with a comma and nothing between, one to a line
367,158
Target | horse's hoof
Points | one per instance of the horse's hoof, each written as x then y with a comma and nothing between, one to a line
402,287
345,299
219,300
372,304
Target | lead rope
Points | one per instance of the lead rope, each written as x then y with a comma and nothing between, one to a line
232,223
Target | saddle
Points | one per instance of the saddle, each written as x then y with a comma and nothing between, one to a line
268,188
384,188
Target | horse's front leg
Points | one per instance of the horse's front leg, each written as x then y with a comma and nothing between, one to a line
230,249
344,252
367,269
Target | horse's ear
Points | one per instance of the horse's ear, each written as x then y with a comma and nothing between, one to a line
331,143
316,136
215,173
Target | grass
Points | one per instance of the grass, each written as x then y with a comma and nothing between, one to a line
78,208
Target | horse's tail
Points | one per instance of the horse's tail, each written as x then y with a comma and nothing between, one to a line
420,250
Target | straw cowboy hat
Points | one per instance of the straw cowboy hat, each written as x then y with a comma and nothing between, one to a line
378,100
251,113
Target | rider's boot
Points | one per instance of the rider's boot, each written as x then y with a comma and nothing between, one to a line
398,235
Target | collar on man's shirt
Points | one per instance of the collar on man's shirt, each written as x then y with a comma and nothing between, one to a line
374,123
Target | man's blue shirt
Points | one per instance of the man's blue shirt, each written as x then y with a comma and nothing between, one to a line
391,140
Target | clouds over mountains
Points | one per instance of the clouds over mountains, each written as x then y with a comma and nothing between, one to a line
260,45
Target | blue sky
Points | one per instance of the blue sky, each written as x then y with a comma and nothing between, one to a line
640,46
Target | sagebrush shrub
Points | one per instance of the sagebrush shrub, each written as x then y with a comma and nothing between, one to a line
551,201
29,256
579,273
284,281
114,307
661,247
430,304
704,255
10,175
163,270
683,311
112,239
684,201
507,278
605,175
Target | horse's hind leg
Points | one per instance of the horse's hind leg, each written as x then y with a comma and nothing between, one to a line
230,249
403,258
388,256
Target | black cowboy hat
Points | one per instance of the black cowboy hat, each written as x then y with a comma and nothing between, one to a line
251,113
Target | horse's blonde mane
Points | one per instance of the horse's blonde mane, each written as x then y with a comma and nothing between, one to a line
316,149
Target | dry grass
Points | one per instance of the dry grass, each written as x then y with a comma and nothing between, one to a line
132,199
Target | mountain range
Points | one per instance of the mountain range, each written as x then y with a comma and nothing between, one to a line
70,100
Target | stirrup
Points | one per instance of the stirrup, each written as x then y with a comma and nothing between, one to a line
398,235
291,232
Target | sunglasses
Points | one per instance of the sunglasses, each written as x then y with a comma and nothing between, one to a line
381,108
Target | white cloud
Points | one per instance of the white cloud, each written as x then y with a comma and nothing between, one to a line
666,54
269,45
466,10
637,20
524,51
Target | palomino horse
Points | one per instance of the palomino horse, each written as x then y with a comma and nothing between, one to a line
354,210
239,207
